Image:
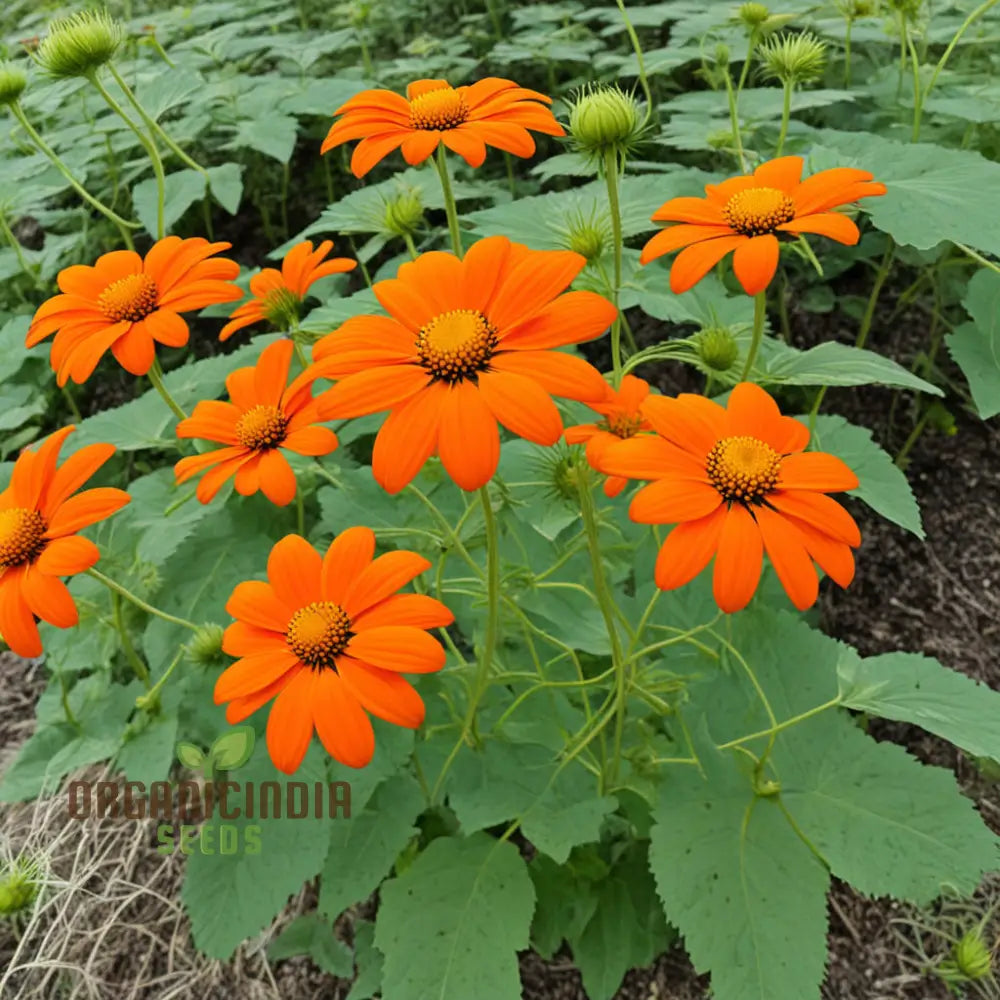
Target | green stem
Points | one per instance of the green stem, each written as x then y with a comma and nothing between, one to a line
759,315
637,48
734,122
131,655
966,24
786,111
914,436
154,126
300,513
147,144
745,72
71,403
15,245
493,595
410,246
847,54
155,375
606,602
123,224
917,99
449,201
150,701
138,601
611,179
64,697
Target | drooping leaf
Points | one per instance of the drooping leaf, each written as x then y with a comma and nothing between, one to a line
311,935
975,346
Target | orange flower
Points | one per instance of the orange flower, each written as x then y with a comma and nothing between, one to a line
277,295
737,483
130,304
330,637
745,214
623,418
492,112
39,519
469,343
265,415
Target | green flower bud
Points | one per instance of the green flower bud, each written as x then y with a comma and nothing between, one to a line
80,44
721,54
793,58
12,83
281,307
753,15
404,213
587,235
604,118
205,647
862,8
721,138
972,955
20,881
717,348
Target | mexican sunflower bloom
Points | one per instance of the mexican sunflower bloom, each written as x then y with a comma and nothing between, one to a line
39,521
329,639
747,214
129,304
468,342
737,482
277,295
264,415
622,418
491,112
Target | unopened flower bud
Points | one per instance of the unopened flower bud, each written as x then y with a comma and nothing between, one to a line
721,54
12,83
404,213
604,119
752,14
80,44
20,881
587,235
717,348
972,955
793,59
205,647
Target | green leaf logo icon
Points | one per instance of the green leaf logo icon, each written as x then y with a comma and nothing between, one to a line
233,749
190,756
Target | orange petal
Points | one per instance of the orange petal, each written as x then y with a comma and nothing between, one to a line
783,173
466,144
341,723
290,724
670,501
694,262
522,406
559,374
251,673
382,692
398,647
271,372
418,610
241,639
572,318
532,285
311,441
753,412
647,456
373,390
683,235
691,422
67,556
49,598
408,438
382,578
241,708
738,561
834,558
819,510
85,509
821,190
293,569
786,549
277,481
699,211
838,227
815,470
257,603
17,623
71,475
349,554
468,438
688,549
755,262
369,151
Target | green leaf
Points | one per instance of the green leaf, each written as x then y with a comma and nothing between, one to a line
226,184
883,821
147,755
190,755
182,189
450,927
883,485
912,688
837,364
272,134
233,749
230,897
364,847
627,929
311,935
565,903
369,960
745,892
975,346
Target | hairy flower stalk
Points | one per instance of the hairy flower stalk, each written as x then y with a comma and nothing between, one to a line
794,60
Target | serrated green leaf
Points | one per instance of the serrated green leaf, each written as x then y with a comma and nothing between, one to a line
912,688
450,927
369,960
565,903
746,893
271,134
975,346
364,846
311,935
883,485
230,897
182,189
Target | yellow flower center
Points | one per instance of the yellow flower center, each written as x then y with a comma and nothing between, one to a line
456,345
319,633
262,427
743,468
131,298
624,425
758,210
438,110
21,536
